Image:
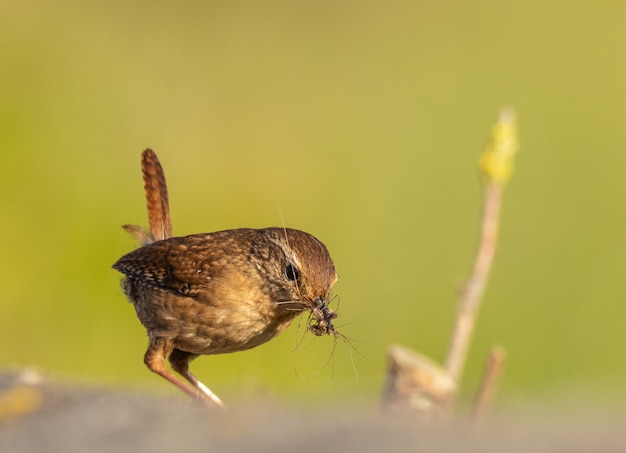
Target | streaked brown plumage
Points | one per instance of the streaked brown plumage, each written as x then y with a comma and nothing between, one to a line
219,292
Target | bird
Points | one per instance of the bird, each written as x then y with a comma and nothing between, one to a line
219,292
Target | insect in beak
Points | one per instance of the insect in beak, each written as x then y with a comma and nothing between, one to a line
323,323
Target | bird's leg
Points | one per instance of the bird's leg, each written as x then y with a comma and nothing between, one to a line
155,361
180,363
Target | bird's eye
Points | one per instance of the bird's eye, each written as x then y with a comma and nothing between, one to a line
291,272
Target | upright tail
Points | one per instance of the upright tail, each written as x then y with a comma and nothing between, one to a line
155,188
156,198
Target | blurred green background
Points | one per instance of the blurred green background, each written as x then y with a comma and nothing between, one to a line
358,121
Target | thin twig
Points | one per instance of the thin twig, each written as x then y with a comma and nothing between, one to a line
489,384
497,166
471,294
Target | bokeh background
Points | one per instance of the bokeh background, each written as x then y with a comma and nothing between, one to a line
358,121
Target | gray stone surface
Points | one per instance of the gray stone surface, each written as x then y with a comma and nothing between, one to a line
40,415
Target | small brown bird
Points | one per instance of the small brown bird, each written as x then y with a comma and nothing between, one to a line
219,292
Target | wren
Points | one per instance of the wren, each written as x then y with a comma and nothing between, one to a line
221,292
